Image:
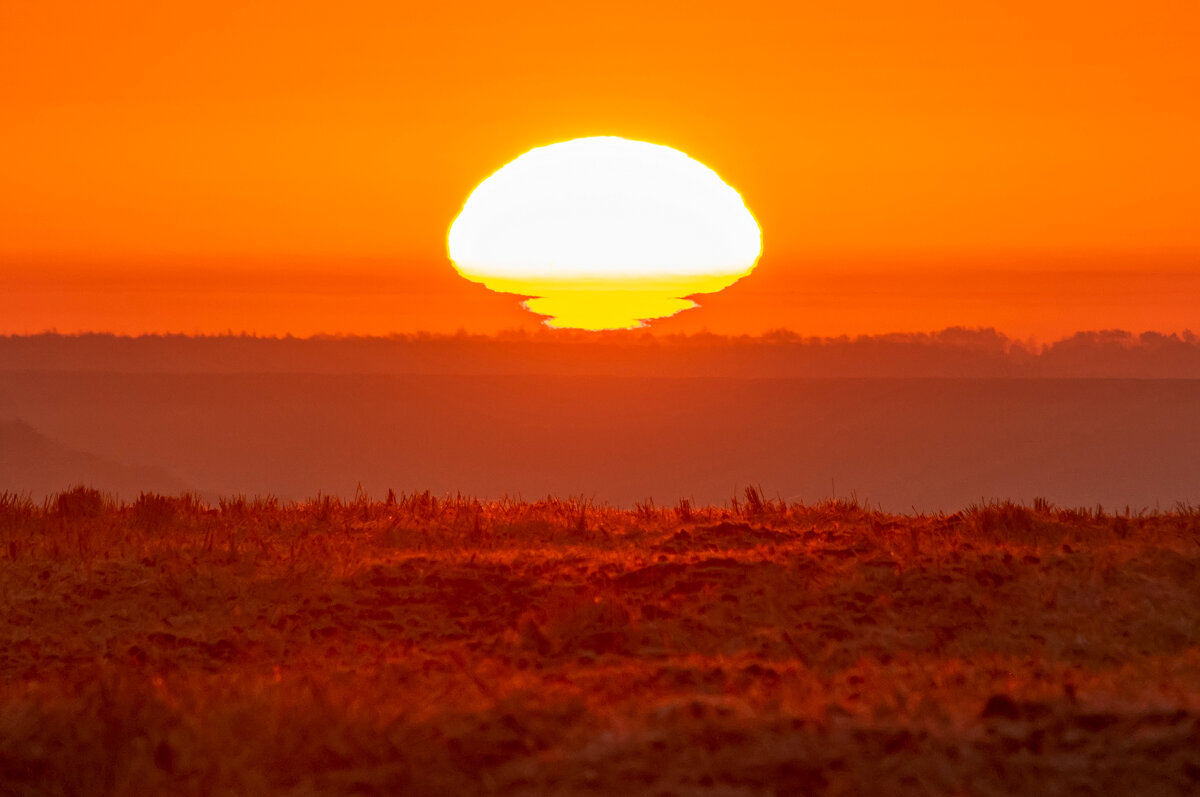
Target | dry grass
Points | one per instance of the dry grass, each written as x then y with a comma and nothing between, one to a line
423,645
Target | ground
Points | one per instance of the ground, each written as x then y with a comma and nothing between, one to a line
422,645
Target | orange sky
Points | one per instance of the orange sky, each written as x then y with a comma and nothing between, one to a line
294,167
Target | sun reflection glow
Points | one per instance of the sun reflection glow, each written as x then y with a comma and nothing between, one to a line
604,232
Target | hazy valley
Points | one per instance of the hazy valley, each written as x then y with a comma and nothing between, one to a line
898,444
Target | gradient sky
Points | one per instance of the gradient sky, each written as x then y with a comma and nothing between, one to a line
294,167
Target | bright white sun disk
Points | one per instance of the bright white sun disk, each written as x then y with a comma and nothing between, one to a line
598,217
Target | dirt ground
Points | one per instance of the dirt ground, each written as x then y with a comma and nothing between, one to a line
422,645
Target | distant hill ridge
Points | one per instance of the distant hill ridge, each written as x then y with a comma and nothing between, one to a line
33,464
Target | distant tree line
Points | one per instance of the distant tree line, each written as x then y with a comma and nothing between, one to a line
949,353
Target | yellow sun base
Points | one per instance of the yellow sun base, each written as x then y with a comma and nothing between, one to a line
608,304
605,310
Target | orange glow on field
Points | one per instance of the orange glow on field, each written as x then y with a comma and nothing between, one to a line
604,232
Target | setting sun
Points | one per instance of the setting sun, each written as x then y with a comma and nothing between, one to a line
604,232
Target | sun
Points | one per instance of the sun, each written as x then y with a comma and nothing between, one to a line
605,232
